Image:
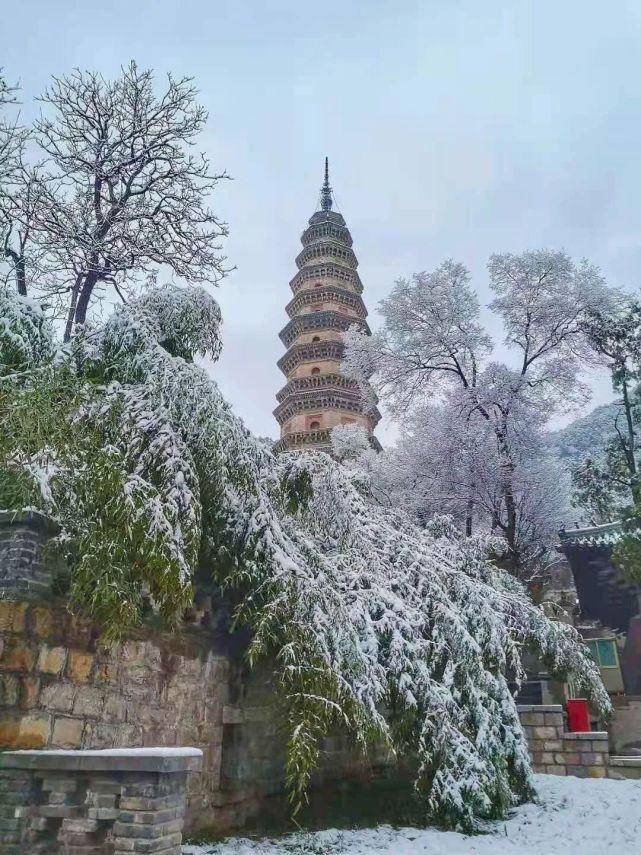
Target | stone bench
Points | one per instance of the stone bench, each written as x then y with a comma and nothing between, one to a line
113,802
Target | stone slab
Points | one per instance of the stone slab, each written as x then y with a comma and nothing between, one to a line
630,762
541,708
113,760
590,734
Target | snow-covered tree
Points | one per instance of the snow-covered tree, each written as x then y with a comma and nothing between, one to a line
432,349
394,632
349,442
120,191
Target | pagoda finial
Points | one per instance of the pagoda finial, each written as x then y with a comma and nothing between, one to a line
326,190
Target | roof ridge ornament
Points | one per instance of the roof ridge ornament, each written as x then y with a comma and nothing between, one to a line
326,190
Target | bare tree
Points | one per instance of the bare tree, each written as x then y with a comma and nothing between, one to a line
8,128
124,193
12,142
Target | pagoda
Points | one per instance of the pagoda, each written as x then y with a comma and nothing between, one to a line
326,301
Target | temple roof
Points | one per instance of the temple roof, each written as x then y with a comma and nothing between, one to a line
607,534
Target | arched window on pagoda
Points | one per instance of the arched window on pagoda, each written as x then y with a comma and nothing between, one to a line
315,425
316,338
315,370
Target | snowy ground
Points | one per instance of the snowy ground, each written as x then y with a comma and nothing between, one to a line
578,816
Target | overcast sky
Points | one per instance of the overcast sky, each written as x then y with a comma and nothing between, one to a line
454,128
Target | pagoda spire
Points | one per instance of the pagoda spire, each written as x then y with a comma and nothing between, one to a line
326,190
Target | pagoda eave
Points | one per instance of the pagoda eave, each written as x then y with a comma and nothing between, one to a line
312,382
325,271
319,321
326,294
335,403
312,352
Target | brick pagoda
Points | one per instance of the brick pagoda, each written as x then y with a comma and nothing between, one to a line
327,301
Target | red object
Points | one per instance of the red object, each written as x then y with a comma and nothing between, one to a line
578,715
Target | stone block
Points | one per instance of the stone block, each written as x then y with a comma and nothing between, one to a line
60,784
9,690
89,701
572,758
17,655
103,800
52,660
104,814
67,732
33,731
42,623
29,690
553,745
597,772
555,769
545,732
532,718
146,831
139,803
58,697
554,719
589,758
106,672
81,825
79,665
577,771
115,709
159,846
12,616
151,817
98,735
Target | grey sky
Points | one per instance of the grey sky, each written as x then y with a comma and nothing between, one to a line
453,129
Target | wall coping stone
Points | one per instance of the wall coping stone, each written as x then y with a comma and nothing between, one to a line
31,518
626,761
166,760
588,734
554,708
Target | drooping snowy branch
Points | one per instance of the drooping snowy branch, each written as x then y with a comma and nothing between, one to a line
394,632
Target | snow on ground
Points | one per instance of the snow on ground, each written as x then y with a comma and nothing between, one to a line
573,815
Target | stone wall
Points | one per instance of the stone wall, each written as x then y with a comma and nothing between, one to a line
94,802
60,688
557,752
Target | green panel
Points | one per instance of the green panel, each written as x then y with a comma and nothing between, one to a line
593,650
607,654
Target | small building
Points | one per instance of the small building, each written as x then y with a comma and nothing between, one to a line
608,618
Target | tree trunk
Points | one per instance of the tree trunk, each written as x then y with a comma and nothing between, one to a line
631,449
20,269
84,296
469,518
507,468
71,313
